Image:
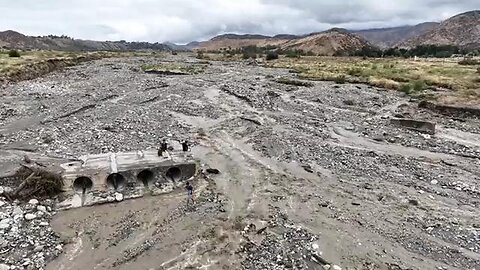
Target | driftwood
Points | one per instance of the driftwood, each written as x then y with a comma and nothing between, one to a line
35,182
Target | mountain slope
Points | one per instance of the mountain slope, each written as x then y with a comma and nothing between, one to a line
462,30
14,40
389,37
331,42
239,41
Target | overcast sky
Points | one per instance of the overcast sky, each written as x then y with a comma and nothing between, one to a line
182,21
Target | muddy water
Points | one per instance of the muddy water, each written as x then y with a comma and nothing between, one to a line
305,153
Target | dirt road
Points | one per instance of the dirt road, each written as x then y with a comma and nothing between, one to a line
309,176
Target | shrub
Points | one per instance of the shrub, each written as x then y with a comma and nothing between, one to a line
405,88
478,70
13,53
271,56
418,85
340,79
469,62
200,55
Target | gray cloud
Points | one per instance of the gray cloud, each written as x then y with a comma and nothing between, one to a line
187,20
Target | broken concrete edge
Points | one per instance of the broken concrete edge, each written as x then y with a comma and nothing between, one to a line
450,110
417,125
105,178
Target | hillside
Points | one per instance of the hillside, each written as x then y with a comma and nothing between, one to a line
331,42
238,41
14,40
389,37
462,30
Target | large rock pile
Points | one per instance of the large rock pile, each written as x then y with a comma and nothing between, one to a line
26,239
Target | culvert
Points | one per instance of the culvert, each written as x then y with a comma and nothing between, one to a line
116,181
174,174
82,184
147,177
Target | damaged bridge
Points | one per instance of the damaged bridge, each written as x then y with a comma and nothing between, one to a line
103,178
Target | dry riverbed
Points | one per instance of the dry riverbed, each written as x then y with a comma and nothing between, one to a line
310,177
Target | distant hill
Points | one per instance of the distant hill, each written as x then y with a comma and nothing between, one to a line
462,30
331,42
14,40
389,37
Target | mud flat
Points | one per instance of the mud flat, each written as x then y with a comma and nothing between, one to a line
310,177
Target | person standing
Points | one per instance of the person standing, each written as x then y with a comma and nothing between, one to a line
189,189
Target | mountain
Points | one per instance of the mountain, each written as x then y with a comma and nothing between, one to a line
331,42
462,30
389,37
14,40
234,41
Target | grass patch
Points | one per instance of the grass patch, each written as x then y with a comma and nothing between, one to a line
389,73
288,81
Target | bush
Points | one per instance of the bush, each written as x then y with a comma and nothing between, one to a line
469,62
418,85
478,70
340,79
272,56
13,53
405,88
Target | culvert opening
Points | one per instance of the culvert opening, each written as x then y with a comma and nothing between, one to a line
146,177
116,181
82,184
174,174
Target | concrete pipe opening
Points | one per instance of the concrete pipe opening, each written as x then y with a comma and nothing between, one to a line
146,177
82,184
174,174
116,181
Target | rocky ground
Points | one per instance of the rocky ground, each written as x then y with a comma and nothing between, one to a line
310,177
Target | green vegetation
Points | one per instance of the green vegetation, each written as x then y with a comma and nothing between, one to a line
469,62
294,82
13,53
271,56
35,63
406,75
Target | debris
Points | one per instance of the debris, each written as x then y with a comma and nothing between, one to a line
213,171
417,125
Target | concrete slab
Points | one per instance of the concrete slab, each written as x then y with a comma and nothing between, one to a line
105,178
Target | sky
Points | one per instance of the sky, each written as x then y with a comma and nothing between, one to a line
182,21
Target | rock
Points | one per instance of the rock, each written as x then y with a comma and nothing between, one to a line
5,223
4,267
118,197
17,211
38,248
434,182
43,223
336,267
307,168
42,208
213,171
2,190
33,202
327,267
30,216
2,203
413,202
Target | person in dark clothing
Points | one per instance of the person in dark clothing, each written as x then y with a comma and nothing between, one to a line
185,146
189,189
163,148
